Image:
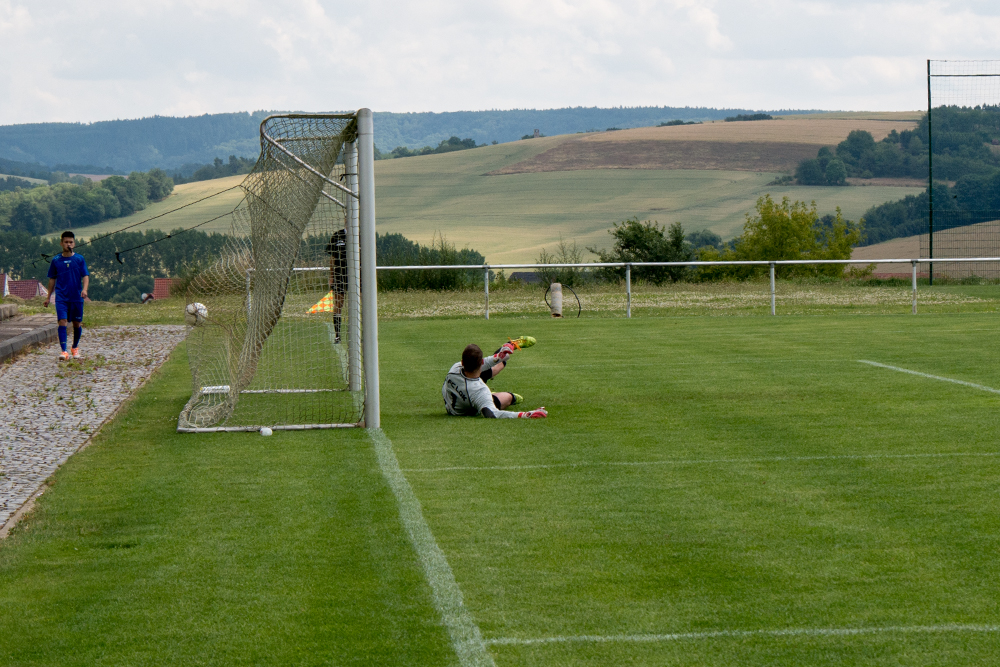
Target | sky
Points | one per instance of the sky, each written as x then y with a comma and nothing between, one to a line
108,59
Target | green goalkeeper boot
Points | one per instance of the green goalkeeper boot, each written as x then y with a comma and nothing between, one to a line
523,342
517,398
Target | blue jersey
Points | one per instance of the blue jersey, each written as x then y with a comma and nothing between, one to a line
69,273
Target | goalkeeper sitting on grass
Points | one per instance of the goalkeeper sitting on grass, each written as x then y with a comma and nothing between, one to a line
465,391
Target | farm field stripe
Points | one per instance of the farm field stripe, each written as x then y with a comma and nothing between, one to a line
929,376
465,636
791,632
666,462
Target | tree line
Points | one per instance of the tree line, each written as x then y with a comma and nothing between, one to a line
966,143
218,169
47,209
448,145
23,255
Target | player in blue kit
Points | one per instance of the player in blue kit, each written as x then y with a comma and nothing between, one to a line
68,281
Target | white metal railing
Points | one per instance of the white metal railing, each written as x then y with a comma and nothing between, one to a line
486,268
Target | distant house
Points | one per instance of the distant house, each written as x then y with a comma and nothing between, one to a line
4,290
161,287
26,289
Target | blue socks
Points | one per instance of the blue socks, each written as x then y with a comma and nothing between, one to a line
62,337
76,336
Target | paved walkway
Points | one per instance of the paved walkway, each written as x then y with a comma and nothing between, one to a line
49,409
20,331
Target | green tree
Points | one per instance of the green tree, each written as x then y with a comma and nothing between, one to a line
809,172
836,172
646,241
783,231
857,143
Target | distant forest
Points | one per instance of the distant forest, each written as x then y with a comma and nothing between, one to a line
183,145
966,150
44,209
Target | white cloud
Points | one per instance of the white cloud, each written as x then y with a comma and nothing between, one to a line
116,59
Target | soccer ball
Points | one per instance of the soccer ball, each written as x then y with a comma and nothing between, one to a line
195,313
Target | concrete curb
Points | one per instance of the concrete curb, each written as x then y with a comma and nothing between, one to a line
40,336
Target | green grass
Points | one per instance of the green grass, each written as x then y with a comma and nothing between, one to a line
730,537
158,548
696,475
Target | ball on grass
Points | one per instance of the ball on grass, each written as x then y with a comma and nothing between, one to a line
195,313
265,431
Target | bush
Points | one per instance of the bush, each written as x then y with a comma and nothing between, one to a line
397,250
564,254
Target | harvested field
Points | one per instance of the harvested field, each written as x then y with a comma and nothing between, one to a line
776,145
648,154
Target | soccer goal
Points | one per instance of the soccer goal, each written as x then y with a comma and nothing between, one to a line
283,326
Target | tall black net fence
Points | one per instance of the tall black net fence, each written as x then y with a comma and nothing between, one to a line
963,125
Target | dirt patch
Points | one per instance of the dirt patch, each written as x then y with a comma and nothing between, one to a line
824,132
774,146
729,156
889,182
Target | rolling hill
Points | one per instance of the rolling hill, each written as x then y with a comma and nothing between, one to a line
511,200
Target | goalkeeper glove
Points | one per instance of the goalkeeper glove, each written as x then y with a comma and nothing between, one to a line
534,414
505,351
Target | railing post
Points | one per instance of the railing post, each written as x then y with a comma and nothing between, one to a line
628,290
486,285
914,287
772,288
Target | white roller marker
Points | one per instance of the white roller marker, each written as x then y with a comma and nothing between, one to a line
556,304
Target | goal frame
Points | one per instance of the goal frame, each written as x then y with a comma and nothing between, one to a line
361,306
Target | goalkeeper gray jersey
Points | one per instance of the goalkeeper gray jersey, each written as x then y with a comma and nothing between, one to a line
471,396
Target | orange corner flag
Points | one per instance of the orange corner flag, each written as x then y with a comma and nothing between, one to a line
325,304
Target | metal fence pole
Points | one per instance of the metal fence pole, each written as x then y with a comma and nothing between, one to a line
369,282
772,288
628,290
914,287
486,284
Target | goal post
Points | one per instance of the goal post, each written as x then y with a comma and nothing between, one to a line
283,324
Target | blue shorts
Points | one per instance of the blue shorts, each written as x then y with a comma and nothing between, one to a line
69,310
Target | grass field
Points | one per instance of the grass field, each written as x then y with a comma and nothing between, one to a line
706,491
711,184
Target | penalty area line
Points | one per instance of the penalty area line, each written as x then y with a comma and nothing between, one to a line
466,638
930,377
790,632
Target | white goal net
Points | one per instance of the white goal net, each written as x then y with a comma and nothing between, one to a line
276,321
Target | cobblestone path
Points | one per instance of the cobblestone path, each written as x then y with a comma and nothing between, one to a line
48,409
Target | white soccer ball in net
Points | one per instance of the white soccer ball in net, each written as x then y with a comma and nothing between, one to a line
195,313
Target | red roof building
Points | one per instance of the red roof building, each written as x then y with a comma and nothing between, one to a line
161,287
26,289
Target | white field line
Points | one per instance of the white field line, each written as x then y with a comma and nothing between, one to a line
790,632
465,636
668,462
929,376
